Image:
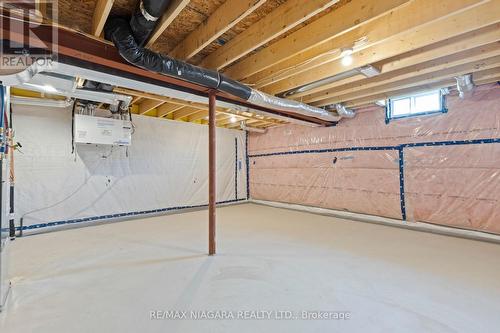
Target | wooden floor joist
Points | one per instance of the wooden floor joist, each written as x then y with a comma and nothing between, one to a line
419,36
148,105
276,23
319,31
393,23
278,46
449,66
470,45
224,18
101,13
482,77
173,10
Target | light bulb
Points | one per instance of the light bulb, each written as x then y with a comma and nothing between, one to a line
346,54
346,60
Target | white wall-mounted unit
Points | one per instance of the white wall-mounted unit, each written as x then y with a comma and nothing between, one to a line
100,130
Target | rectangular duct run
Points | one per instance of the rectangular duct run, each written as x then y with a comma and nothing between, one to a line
369,71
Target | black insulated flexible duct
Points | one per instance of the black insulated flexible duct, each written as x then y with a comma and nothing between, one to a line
130,37
143,20
119,32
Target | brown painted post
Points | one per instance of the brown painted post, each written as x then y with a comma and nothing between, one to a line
211,172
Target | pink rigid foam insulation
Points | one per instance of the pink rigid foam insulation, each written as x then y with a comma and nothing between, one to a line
453,181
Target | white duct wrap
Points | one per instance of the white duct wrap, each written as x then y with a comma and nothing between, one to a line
265,100
344,112
465,85
41,102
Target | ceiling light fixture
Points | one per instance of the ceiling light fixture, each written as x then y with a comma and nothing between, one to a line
346,54
233,119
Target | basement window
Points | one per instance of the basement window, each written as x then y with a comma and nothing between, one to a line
420,104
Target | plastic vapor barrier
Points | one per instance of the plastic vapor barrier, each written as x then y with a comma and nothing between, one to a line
442,168
166,169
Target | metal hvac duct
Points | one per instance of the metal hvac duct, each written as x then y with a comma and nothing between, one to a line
65,86
344,112
244,127
120,32
465,85
51,103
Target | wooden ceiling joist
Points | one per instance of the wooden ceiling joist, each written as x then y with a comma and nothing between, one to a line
101,13
467,44
198,115
166,109
473,56
481,77
184,112
148,105
460,23
338,21
282,19
430,77
41,8
399,20
224,18
172,12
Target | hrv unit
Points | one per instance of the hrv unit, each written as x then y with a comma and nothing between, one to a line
104,131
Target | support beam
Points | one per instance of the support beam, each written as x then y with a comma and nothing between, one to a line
224,18
332,24
282,19
463,22
211,173
174,9
101,13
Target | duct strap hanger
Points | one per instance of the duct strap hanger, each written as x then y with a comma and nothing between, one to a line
146,15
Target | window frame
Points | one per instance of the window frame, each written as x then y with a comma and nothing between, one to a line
389,106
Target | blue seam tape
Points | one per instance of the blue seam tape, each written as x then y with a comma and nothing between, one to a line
404,145
400,148
328,150
236,168
247,161
402,183
111,216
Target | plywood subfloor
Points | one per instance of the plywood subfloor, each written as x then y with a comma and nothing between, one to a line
108,278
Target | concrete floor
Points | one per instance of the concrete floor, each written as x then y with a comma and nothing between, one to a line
108,278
